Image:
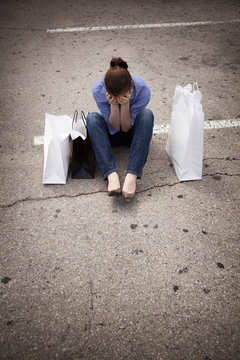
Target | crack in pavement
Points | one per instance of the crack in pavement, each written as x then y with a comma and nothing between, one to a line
181,182
28,198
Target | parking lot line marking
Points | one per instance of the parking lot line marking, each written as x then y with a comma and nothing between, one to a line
163,129
38,140
218,124
210,124
139,26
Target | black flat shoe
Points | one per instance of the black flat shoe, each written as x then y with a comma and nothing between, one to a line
114,192
128,195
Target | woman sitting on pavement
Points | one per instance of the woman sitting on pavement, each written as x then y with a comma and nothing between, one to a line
123,120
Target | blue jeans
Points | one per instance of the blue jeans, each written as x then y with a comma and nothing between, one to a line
138,138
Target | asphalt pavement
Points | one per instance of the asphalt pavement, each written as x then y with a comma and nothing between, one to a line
86,276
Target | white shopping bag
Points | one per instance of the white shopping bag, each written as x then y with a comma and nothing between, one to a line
185,138
79,126
57,148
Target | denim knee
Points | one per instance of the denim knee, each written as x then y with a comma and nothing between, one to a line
94,119
145,117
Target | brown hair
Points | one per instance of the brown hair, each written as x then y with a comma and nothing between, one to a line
118,79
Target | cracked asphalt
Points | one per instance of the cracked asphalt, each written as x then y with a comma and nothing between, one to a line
86,276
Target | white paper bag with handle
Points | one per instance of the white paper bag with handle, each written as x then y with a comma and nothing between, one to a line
79,126
57,148
185,137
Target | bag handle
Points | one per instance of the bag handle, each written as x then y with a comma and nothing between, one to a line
84,119
195,85
75,116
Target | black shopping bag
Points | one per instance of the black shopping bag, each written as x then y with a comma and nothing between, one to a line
83,161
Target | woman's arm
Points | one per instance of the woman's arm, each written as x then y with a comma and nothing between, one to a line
125,116
114,118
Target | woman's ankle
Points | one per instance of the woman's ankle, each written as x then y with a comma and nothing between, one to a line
112,175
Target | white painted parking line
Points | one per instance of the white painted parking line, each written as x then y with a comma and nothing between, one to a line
211,124
38,140
216,124
140,26
163,129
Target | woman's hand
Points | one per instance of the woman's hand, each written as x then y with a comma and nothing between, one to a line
111,99
114,118
124,99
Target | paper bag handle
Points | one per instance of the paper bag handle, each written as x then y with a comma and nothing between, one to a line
195,85
84,119
75,116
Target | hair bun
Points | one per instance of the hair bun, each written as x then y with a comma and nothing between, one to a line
118,62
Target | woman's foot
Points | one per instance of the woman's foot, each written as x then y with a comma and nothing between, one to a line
129,186
113,184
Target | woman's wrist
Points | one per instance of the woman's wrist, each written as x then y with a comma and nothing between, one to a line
126,105
125,117
114,118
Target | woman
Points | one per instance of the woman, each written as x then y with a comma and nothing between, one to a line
123,120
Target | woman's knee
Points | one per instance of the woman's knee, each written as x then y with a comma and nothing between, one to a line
145,117
94,119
